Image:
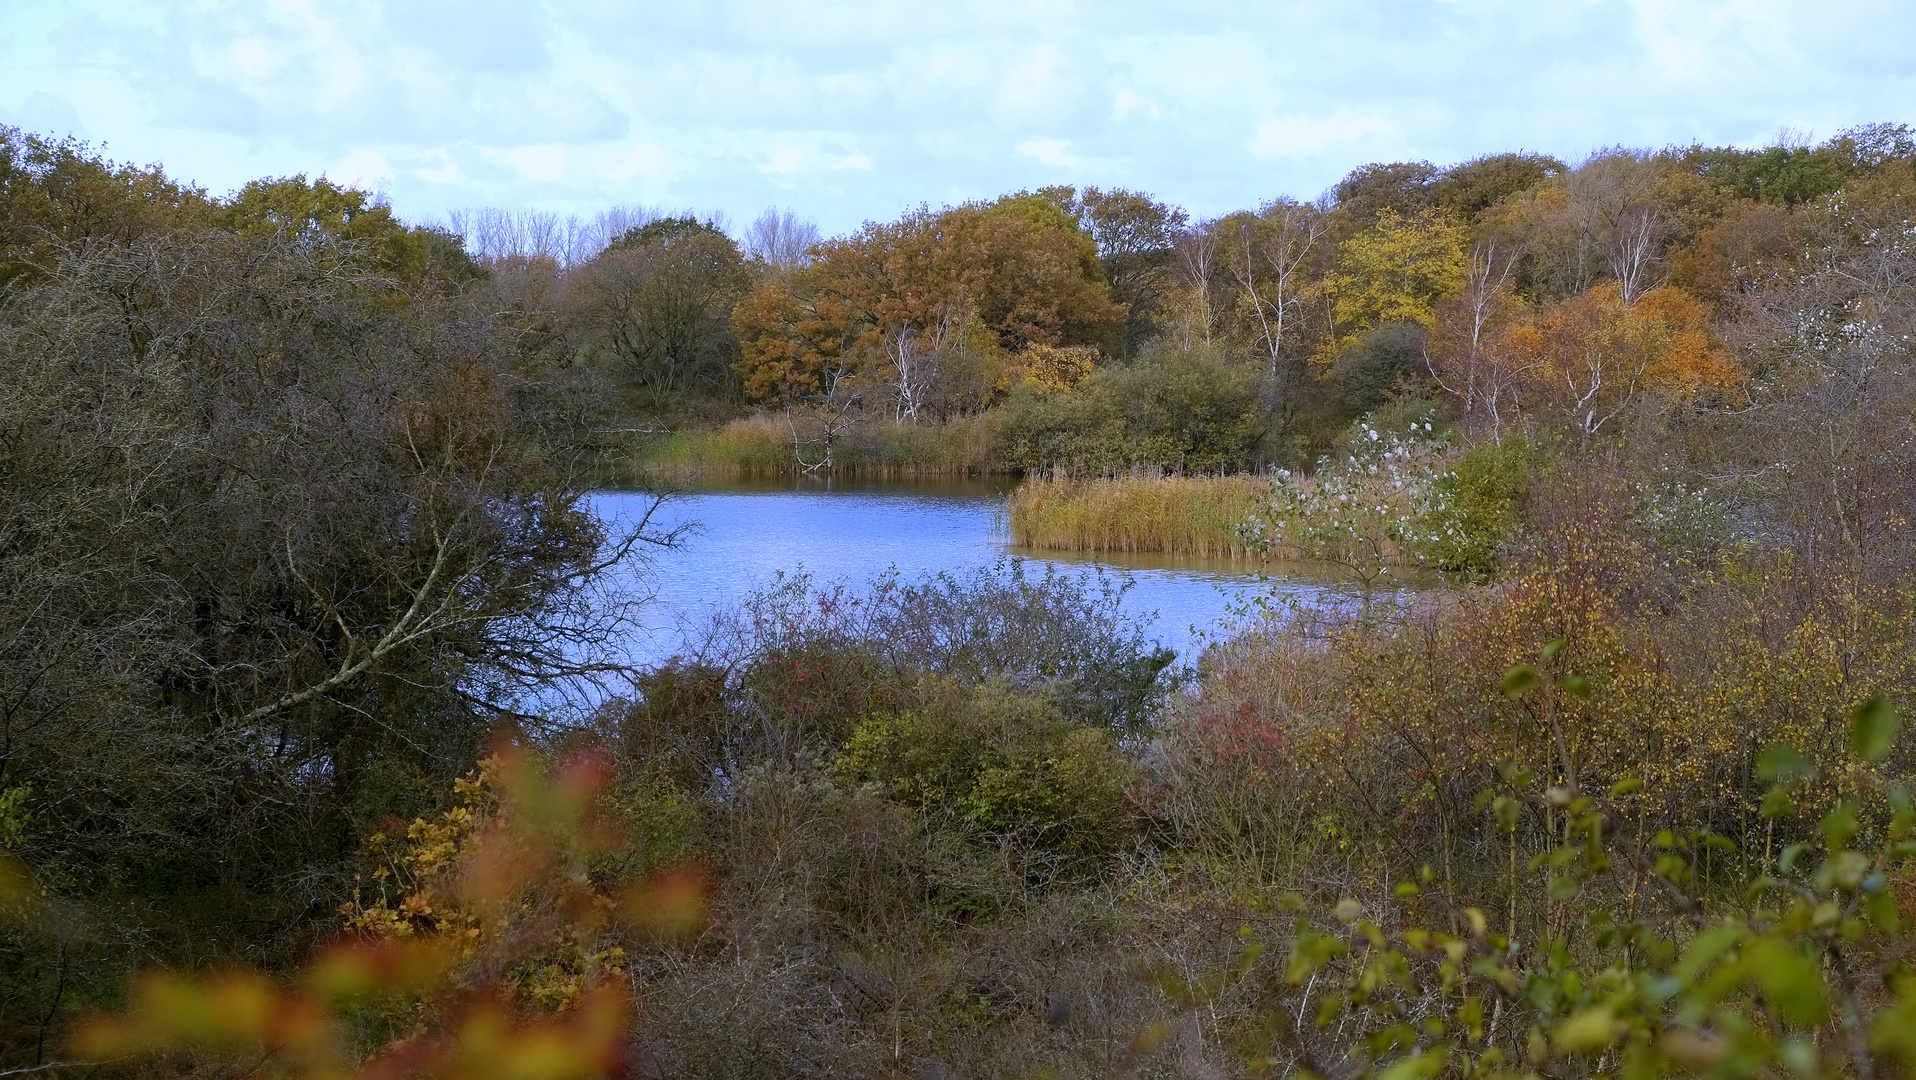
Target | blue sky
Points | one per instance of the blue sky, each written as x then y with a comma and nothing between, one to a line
856,110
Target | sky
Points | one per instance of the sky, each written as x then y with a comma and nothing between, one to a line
857,110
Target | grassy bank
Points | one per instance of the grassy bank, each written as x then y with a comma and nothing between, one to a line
764,446
1174,515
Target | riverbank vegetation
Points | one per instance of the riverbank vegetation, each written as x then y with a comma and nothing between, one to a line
319,755
1202,516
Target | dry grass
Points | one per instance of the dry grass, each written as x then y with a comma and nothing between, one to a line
762,445
1180,515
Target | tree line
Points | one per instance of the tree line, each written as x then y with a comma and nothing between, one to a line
1103,330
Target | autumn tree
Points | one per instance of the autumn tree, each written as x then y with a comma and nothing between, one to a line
1593,357
1396,271
1019,271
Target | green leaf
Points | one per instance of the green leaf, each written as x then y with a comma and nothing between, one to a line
1625,786
1839,825
1792,982
1777,803
1587,1032
1783,763
1519,680
1872,728
1576,686
1551,649
1423,1063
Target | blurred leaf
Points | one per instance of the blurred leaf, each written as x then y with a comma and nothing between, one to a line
1519,680
1576,686
1839,825
1872,728
1780,763
1791,981
1588,1031
672,905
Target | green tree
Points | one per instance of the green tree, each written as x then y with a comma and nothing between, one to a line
300,208
55,193
661,299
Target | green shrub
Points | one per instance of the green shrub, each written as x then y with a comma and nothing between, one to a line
1171,411
1477,507
1000,763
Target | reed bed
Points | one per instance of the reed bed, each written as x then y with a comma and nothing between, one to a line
762,446
1175,515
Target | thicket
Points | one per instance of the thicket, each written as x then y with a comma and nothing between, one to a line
281,543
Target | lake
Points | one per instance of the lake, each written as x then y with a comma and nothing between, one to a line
742,534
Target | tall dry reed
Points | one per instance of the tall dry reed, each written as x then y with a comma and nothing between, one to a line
763,445
1175,515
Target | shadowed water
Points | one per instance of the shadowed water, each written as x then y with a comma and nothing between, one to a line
743,534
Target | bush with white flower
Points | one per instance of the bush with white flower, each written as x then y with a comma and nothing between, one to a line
1361,513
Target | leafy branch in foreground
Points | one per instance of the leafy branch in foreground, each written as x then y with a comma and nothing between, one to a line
495,947
1640,971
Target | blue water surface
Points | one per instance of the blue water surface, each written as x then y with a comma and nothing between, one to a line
737,538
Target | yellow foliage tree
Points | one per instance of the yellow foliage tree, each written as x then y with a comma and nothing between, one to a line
1395,271
1054,368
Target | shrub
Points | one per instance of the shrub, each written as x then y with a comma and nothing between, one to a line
999,764
1475,509
1171,411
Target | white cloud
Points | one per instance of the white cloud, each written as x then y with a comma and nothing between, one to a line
543,163
1053,152
852,160
1289,136
785,161
645,159
1125,103
856,109
365,169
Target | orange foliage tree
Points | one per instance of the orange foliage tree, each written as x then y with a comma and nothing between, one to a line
1016,276
1591,357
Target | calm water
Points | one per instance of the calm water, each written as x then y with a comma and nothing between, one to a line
742,534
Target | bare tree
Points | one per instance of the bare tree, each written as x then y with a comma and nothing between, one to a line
1196,250
1460,357
1634,249
491,233
780,239
1268,260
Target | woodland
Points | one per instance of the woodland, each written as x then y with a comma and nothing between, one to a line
319,756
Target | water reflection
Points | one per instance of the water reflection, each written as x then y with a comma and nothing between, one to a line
743,534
